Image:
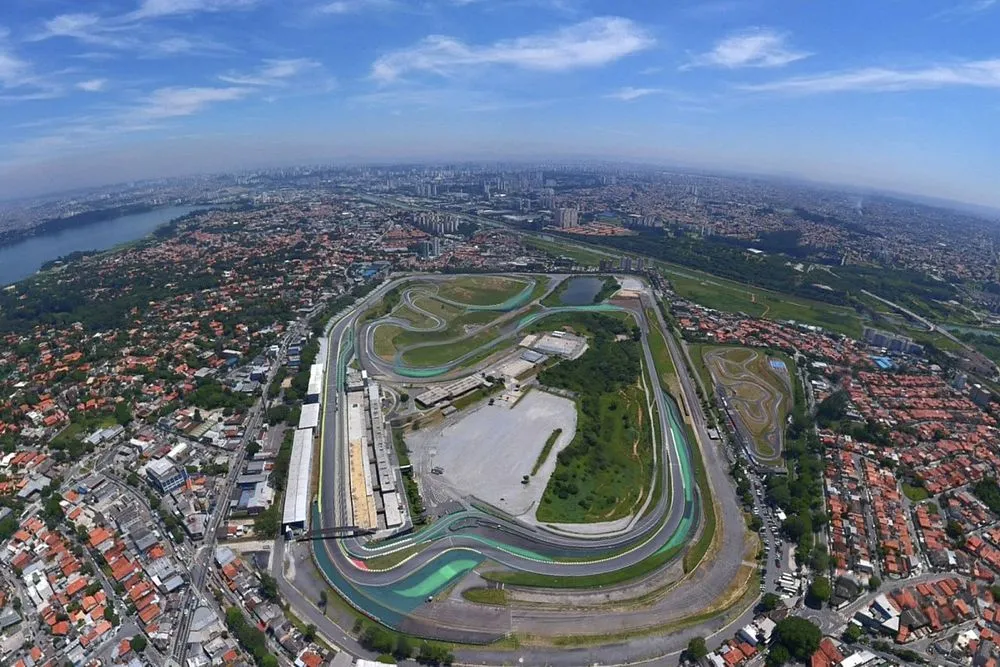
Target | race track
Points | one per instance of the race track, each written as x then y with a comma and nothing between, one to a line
445,552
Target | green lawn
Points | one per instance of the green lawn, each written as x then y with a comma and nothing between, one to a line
544,454
493,596
915,493
437,355
725,295
579,255
533,580
698,550
385,340
661,353
481,290
457,326
418,320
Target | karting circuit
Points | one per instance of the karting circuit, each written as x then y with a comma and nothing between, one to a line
757,395
399,355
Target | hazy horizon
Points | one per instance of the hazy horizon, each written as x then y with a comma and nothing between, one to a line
140,89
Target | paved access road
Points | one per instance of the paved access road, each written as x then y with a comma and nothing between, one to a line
461,542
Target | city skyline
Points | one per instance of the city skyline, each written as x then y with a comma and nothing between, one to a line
135,89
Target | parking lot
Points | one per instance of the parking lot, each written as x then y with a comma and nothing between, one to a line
487,450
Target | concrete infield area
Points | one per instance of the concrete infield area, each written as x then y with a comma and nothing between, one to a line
486,451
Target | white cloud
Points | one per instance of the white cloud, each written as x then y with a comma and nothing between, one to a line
19,80
128,33
177,101
159,8
629,93
93,85
87,28
591,43
975,74
341,7
274,72
13,70
757,47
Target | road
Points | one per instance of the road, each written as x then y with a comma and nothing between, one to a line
203,556
504,542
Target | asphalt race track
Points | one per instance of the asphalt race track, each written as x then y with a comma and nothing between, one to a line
445,552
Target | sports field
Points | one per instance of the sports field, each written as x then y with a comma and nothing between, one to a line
758,392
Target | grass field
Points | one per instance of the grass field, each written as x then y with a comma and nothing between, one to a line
755,391
385,341
729,296
709,520
481,290
613,484
915,493
419,320
578,255
661,357
436,355
544,454
458,325
493,596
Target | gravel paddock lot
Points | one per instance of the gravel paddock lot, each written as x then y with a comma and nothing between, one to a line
486,450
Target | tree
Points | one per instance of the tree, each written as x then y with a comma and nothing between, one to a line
404,397
853,633
309,633
696,650
832,408
404,648
777,656
268,587
874,583
800,637
819,592
138,643
769,602
954,530
796,526
376,639
123,414
323,599
434,654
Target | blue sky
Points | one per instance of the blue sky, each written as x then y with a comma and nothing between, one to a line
898,94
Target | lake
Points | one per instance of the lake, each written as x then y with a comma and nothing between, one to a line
22,259
580,291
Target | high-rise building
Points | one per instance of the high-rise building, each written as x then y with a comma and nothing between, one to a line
626,263
566,217
435,246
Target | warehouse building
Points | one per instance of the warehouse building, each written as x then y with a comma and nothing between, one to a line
296,513
315,389
165,476
309,417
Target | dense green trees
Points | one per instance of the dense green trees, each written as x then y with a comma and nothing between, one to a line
379,640
211,395
832,408
820,591
794,638
988,491
769,602
250,638
696,650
